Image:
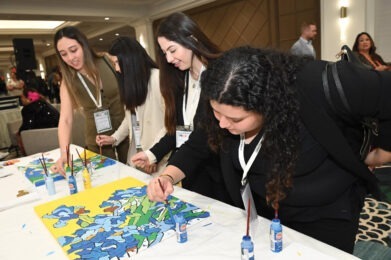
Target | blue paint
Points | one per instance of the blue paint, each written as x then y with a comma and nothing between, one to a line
276,236
247,248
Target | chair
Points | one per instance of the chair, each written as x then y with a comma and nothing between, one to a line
13,128
39,140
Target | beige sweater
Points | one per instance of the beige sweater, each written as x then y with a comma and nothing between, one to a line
151,119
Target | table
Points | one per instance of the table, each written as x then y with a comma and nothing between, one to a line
24,235
7,115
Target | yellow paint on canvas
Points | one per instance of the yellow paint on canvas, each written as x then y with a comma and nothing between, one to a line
90,199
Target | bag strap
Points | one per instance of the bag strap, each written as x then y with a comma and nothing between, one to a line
340,90
370,125
346,115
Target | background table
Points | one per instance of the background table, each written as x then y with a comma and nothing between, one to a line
25,237
7,115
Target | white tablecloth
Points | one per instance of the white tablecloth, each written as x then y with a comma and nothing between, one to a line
7,115
23,235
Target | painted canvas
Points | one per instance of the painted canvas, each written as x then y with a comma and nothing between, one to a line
113,221
33,169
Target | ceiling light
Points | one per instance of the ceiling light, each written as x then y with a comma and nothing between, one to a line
117,34
100,39
107,18
48,44
25,24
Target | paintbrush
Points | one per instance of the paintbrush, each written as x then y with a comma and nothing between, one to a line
72,166
82,161
167,205
67,151
43,166
100,151
248,217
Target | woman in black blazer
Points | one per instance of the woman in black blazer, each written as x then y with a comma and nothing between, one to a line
308,166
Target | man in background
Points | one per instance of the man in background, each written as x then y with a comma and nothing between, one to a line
303,46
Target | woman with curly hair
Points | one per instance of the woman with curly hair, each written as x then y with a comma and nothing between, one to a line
270,122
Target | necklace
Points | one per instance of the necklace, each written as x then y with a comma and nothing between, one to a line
194,74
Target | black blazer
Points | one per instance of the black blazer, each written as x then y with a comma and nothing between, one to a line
330,179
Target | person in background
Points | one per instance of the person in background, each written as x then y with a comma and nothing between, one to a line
88,82
54,80
365,49
36,113
184,54
139,90
303,46
269,120
15,85
36,82
3,86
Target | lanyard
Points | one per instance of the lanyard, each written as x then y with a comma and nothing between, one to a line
98,103
246,167
137,115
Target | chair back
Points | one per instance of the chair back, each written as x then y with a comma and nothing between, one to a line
39,140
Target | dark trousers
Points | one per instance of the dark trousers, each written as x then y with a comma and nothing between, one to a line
335,232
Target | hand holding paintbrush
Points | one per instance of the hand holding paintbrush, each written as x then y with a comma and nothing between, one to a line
167,204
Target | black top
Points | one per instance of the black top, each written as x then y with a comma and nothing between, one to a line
39,114
205,178
330,179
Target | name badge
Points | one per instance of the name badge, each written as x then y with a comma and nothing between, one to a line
137,136
182,135
102,121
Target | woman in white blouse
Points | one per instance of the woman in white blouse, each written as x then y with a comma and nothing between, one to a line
139,91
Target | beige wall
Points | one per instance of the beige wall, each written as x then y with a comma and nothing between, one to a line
259,23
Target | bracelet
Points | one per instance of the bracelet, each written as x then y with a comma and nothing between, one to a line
169,176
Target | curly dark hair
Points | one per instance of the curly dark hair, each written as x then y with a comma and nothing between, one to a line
261,81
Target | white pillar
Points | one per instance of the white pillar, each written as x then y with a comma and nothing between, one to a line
144,34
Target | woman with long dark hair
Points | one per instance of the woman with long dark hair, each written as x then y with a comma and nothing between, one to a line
364,47
271,124
139,91
185,51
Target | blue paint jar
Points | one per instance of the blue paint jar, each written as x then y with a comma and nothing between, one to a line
72,184
276,236
247,248
49,182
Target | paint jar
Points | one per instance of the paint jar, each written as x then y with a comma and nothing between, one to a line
180,228
276,236
49,183
247,248
86,179
72,184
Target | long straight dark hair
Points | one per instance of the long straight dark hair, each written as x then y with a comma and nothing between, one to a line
181,29
135,65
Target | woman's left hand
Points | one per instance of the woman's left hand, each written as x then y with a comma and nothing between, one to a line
378,157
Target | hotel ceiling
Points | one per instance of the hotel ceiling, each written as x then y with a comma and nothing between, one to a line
87,15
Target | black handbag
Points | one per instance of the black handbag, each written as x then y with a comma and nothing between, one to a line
370,125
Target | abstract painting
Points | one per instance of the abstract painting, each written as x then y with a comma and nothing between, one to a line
33,169
113,221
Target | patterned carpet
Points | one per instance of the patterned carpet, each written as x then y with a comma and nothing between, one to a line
373,241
